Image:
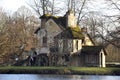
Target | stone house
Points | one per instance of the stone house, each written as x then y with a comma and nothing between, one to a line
63,43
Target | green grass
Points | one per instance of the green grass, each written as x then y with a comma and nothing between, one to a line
92,70
60,70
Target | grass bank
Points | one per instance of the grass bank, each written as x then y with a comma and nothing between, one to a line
60,70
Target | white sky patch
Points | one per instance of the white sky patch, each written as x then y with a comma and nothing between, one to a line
102,7
11,5
96,5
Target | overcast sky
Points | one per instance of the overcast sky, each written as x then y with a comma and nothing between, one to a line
11,5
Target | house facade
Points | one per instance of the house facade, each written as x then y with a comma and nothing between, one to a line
63,43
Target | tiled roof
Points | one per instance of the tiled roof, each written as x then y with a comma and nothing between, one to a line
58,19
92,49
71,33
61,21
75,32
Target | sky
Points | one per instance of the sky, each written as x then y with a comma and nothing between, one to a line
12,5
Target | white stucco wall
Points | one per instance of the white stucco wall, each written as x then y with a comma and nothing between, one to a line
87,41
102,59
75,49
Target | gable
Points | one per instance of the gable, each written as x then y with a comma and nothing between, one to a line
52,28
61,21
71,33
88,41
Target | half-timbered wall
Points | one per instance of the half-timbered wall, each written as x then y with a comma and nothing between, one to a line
69,46
60,46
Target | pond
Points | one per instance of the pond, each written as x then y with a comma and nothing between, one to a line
55,77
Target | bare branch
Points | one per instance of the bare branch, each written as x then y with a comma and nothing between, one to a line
80,11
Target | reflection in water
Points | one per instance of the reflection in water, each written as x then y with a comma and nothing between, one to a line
55,77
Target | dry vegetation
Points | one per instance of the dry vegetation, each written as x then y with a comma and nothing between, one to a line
16,34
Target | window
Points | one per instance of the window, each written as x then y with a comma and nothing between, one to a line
67,58
77,44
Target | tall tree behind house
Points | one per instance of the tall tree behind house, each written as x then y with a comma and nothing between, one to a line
45,6
17,33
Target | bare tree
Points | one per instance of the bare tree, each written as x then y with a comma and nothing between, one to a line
17,33
112,27
104,27
80,12
40,6
78,7
45,6
26,22
54,7
94,24
3,30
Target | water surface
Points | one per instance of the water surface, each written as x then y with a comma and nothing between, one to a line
55,77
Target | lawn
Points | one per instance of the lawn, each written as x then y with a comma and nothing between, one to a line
60,70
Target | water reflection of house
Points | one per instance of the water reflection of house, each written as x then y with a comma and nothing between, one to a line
65,43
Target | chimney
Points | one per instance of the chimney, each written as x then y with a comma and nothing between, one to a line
71,19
